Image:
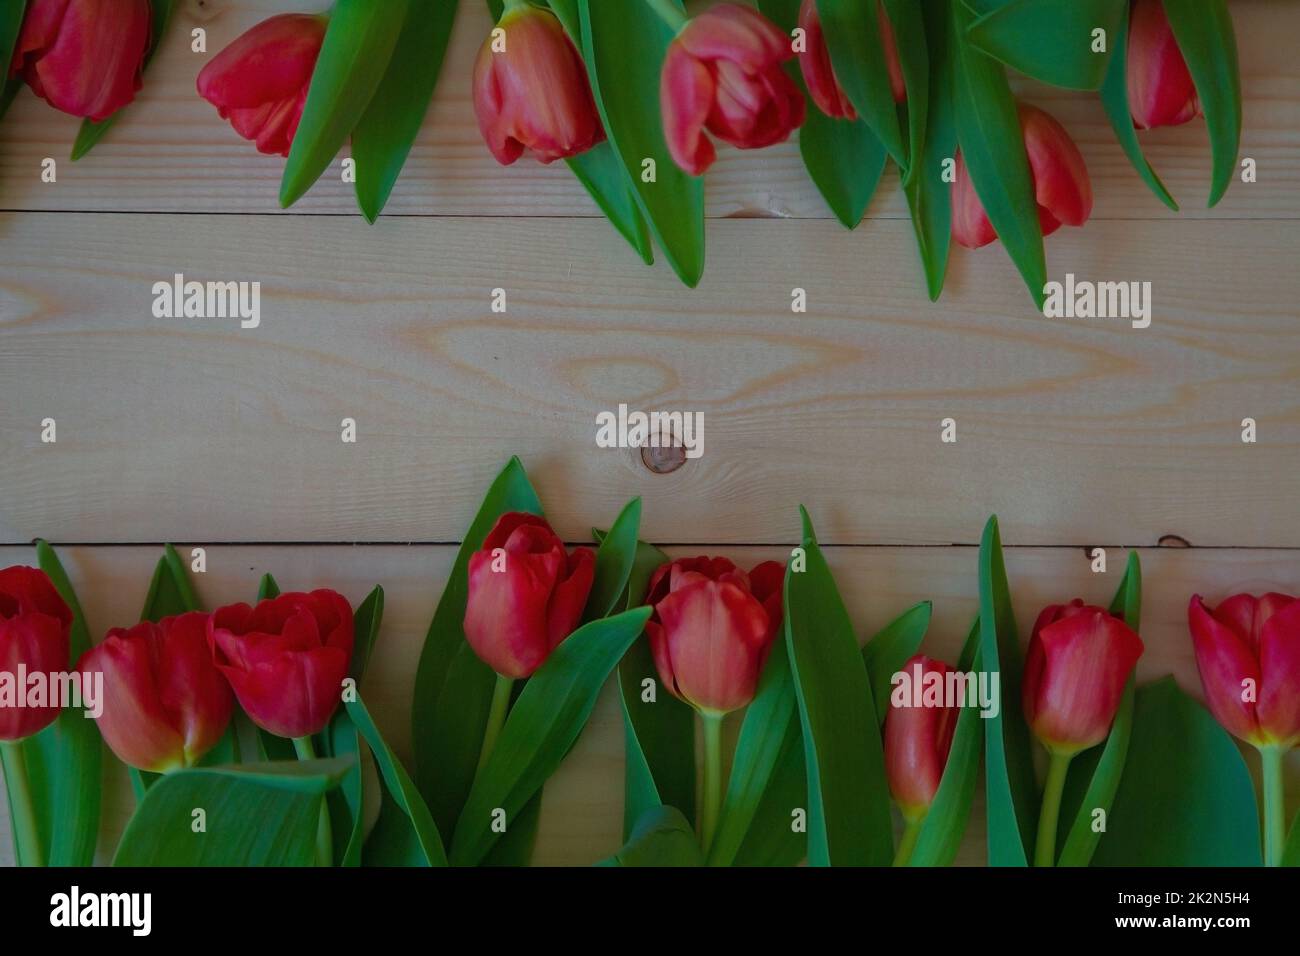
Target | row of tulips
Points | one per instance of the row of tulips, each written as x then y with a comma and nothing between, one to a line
531,612
539,90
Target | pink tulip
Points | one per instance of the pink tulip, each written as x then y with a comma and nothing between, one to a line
1160,88
917,741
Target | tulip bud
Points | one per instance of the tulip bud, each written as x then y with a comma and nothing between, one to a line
286,658
83,57
1060,178
819,74
723,74
1160,88
534,94
34,627
525,594
165,703
1248,654
712,628
917,741
1079,660
260,81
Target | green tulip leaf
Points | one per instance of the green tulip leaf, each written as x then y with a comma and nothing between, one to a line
907,18
90,132
546,719
1011,792
624,47
387,129
1291,852
1186,797
661,837
1052,40
929,198
11,24
449,716
848,800
354,59
253,815
614,560
267,588
891,648
1114,99
993,147
857,54
1203,29
945,823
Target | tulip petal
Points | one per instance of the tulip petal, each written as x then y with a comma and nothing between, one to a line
1061,183
1278,709
686,99
1225,661
1160,87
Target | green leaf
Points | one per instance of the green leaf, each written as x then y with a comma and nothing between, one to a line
1011,792
857,54
267,588
848,801
614,560
887,652
383,138
1114,99
929,198
624,47
448,717
768,762
64,760
1203,29
945,823
170,591
254,815
544,722
661,837
993,147
1291,852
1051,40
91,133
11,23
359,45
1186,797
366,622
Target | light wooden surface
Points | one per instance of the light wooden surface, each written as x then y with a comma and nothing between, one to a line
1077,432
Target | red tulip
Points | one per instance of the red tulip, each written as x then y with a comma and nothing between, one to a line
286,658
525,594
1060,177
83,57
1248,653
1160,89
34,626
534,94
819,75
1079,659
712,628
260,81
917,741
165,703
723,74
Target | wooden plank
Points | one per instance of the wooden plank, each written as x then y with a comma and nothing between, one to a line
1075,430
582,810
172,152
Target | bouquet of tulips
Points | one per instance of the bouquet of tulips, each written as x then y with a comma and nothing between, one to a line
635,94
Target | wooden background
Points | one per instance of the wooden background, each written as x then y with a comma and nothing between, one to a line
1077,433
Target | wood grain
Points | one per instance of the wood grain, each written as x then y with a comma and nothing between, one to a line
1074,430
172,153
582,809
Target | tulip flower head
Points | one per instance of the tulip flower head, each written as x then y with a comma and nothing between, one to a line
34,627
712,628
917,741
165,702
260,81
531,91
1248,655
723,74
1060,177
526,595
1079,660
1160,88
83,57
819,74
286,658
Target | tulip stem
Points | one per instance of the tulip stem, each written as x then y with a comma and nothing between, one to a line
496,718
911,830
1045,847
27,841
712,778
303,747
669,13
1274,806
